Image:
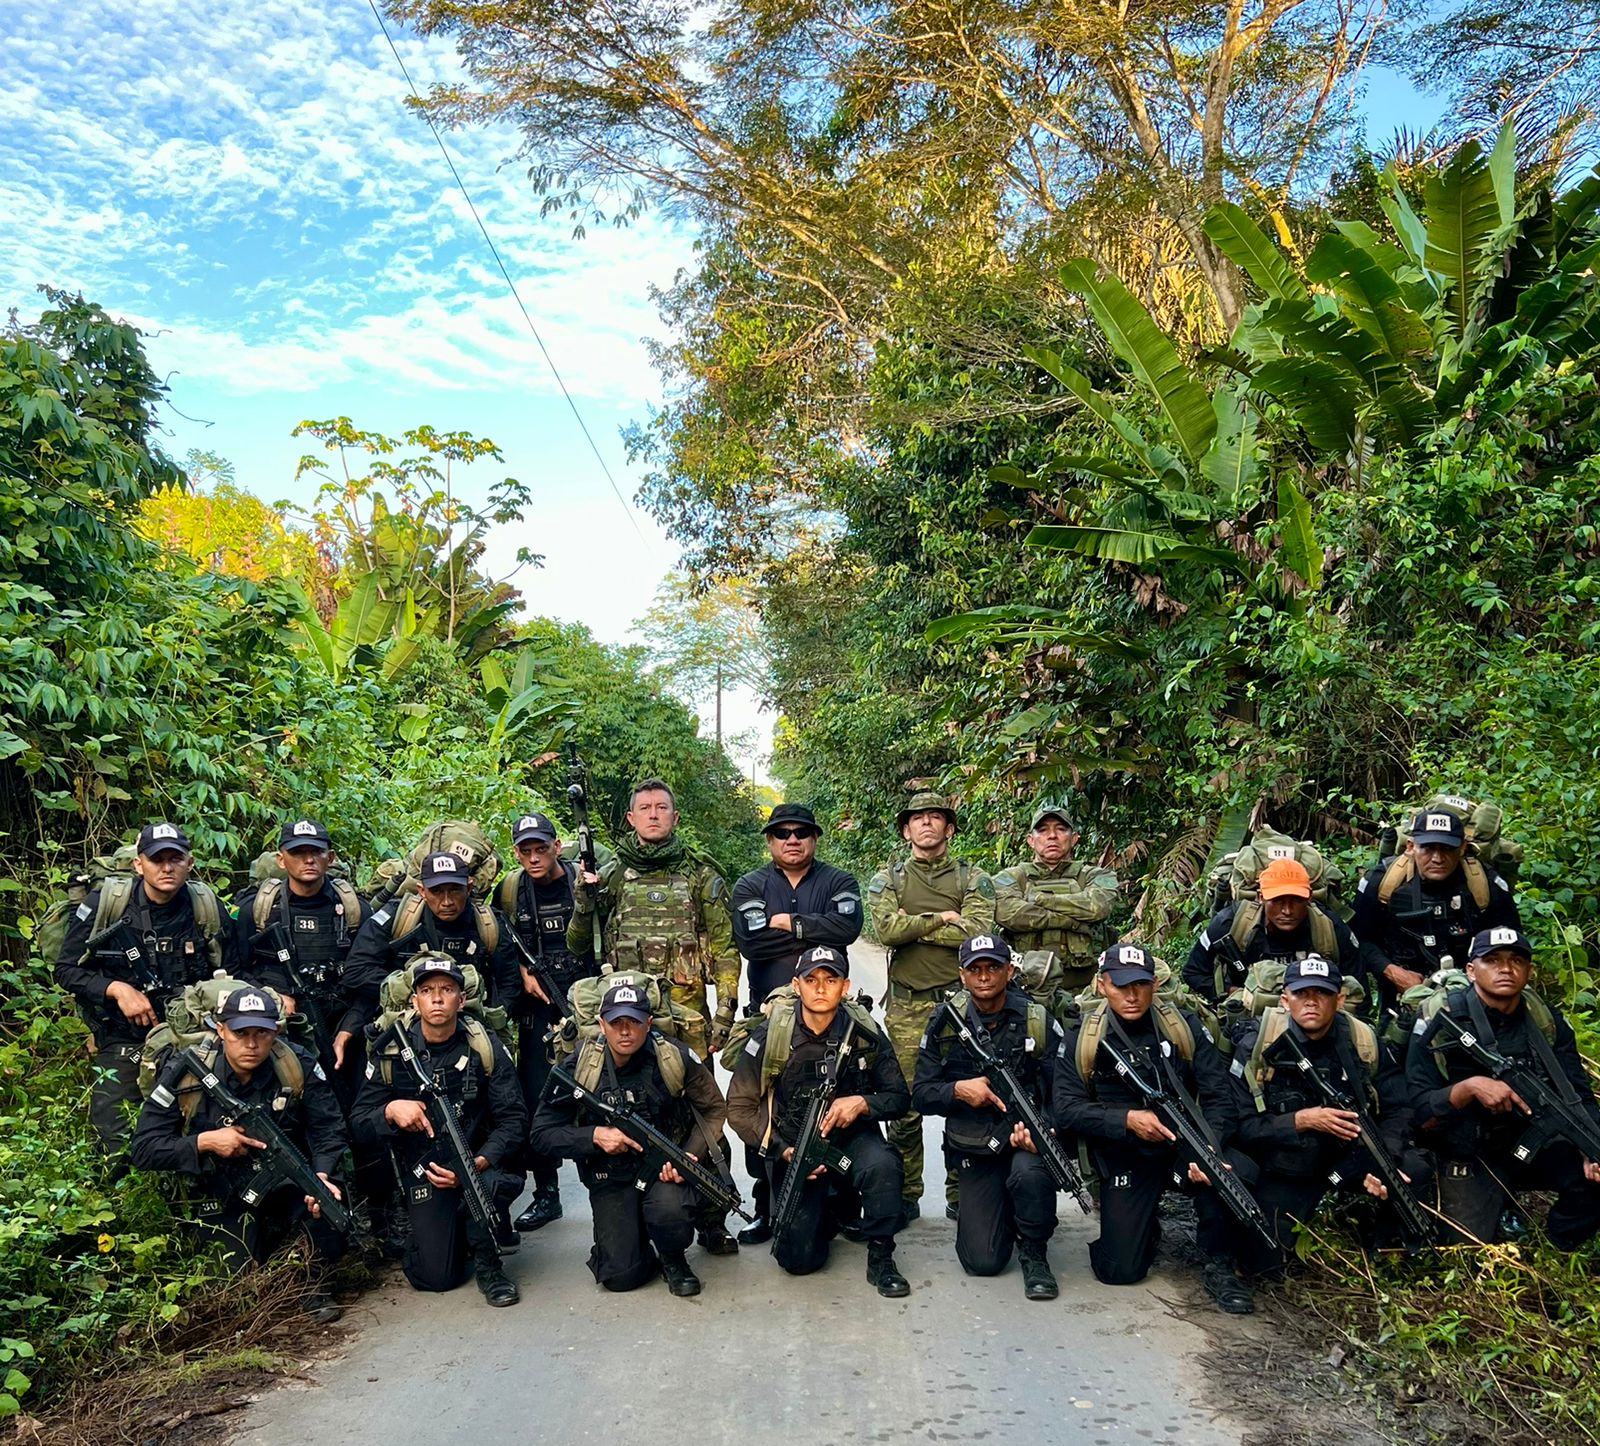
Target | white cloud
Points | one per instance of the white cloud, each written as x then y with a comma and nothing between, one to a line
244,178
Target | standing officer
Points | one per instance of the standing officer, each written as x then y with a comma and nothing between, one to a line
1135,1155
923,909
294,934
130,946
1286,1125
666,914
442,918
774,1083
1475,1123
181,1129
1053,902
1426,904
1007,1192
779,910
640,1224
1286,924
537,901
480,1084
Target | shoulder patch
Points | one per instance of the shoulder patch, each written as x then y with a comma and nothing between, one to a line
84,911
718,887
878,885
1500,883
1006,880
316,1069
1237,1067
382,917
984,888
752,1045
1361,888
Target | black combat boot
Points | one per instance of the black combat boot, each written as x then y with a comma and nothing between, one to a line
497,1287
882,1271
758,1234
542,1209
322,1309
1230,1293
1037,1281
715,1240
680,1279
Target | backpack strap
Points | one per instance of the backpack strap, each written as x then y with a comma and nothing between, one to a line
407,915
1245,919
286,1065
488,927
1539,1013
1324,937
505,893
345,892
1090,1033
116,892
1364,1038
1038,1027
1402,869
1273,1024
478,1040
1477,878
670,1062
265,901
1173,1027
208,915
780,1039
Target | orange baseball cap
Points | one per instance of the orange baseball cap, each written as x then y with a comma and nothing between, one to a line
1282,877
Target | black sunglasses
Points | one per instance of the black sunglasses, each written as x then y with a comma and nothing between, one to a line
788,833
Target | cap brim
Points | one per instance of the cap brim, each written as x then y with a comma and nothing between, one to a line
1327,986
432,881
838,970
1437,838
164,846
811,830
991,958
1060,818
627,1011
253,1021
294,845
536,835
1286,891
439,974
1125,976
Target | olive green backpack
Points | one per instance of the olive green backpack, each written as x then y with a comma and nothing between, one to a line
582,1023
478,1019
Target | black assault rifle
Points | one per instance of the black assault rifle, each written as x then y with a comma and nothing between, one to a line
543,976
578,797
1195,1134
659,1150
811,1147
280,1163
1018,1102
447,1131
1556,1109
1418,1228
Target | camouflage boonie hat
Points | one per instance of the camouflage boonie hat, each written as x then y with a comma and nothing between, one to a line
926,802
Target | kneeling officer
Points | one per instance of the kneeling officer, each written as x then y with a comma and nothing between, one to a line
641,1222
1007,1193
183,1129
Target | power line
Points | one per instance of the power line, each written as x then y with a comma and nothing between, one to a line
511,285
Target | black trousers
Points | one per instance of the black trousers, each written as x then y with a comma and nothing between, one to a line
1474,1192
1131,1185
633,1228
446,1244
873,1185
115,1088
249,1234
533,1070
1003,1197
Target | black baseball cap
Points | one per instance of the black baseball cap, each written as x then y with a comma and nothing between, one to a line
1313,972
159,838
1486,941
430,964
1128,964
822,956
792,813
983,946
625,1000
249,1008
445,869
1438,826
533,826
303,833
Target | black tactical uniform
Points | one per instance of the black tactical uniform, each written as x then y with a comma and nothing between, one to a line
825,907
1215,948
1299,1167
159,949
164,1140
641,1225
1134,1173
770,1123
1475,1148
543,911
1007,1193
445,1244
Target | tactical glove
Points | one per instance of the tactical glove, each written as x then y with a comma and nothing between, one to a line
721,1027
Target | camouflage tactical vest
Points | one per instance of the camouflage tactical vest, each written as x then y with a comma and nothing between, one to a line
653,925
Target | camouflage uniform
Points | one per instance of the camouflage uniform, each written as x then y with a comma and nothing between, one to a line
922,959
666,913
1040,908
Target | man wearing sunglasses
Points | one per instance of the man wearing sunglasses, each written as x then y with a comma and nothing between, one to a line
780,910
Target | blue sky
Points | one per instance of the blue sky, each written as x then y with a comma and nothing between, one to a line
243,182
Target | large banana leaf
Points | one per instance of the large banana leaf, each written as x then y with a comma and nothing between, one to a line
1019,622
1301,554
1232,464
363,619
1250,249
1407,224
1462,217
1371,295
1141,549
1078,384
1152,357
1317,394
1503,174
